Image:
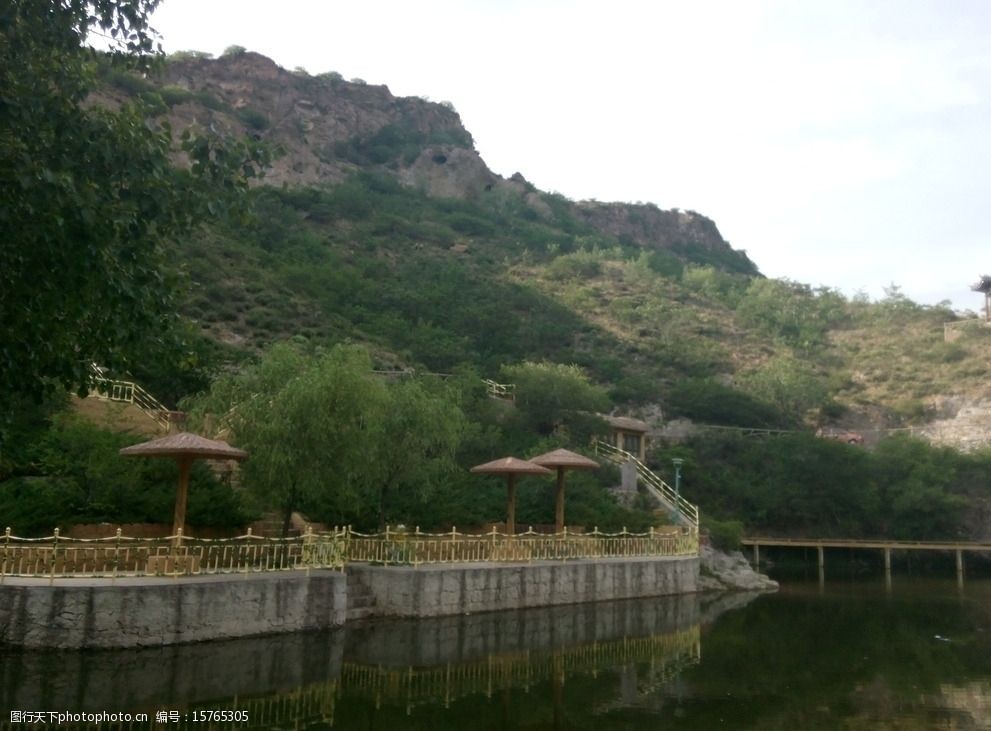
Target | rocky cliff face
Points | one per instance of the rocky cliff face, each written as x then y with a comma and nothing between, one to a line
325,126
328,128
650,227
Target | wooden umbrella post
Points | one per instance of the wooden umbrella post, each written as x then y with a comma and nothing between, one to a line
183,447
510,467
179,517
559,502
511,504
562,460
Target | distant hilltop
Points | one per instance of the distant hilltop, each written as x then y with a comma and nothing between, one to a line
329,128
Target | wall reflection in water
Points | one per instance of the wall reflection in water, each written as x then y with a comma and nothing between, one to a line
615,653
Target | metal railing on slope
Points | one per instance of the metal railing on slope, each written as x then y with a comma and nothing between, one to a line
687,513
128,392
500,390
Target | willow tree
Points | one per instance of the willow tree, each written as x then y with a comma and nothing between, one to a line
422,427
325,433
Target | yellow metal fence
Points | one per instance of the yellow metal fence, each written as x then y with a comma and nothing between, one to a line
119,556
415,548
56,556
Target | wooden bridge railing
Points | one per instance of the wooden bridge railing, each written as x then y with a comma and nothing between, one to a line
882,544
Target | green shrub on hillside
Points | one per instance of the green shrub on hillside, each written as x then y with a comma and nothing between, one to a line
253,119
787,384
545,392
579,265
710,402
714,283
792,312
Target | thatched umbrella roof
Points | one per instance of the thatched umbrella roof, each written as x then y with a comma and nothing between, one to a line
184,448
510,466
563,459
185,444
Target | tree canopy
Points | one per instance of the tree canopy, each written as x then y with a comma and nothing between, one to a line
546,392
326,435
90,200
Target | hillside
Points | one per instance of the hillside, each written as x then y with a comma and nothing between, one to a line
380,223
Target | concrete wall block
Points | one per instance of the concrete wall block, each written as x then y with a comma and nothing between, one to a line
83,613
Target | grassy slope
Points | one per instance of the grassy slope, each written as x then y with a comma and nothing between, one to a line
434,283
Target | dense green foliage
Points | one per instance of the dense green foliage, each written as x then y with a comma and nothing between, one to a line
501,284
72,473
329,437
547,394
370,259
89,198
796,484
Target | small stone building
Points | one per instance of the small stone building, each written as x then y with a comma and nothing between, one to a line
629,434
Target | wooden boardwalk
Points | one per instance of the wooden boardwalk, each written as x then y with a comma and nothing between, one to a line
884,545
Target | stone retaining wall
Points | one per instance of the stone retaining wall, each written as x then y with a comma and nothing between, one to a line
431,591
135,612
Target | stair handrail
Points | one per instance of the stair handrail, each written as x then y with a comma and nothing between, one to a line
128,392
657,487
500,390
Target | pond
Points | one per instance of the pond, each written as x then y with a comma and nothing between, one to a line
847,654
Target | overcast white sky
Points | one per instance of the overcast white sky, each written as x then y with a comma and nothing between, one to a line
839,142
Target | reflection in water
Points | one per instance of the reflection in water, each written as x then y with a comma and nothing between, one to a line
969,706
851,655
299,681
665,655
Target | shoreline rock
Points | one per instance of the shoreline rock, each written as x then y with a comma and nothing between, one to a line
719,571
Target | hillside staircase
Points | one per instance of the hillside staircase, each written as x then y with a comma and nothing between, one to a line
683,512
128,392
501,391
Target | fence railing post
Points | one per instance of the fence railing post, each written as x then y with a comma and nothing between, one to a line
51,572
6,553
116,553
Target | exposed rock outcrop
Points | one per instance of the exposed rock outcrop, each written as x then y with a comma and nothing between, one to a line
730,572
965,424
319,123
648,226
327,128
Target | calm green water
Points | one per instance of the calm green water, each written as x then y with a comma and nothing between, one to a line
849,655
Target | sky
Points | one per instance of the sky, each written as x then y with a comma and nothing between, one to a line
840,143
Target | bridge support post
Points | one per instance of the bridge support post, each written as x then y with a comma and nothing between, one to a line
756,555
959,568
887,567
822,557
